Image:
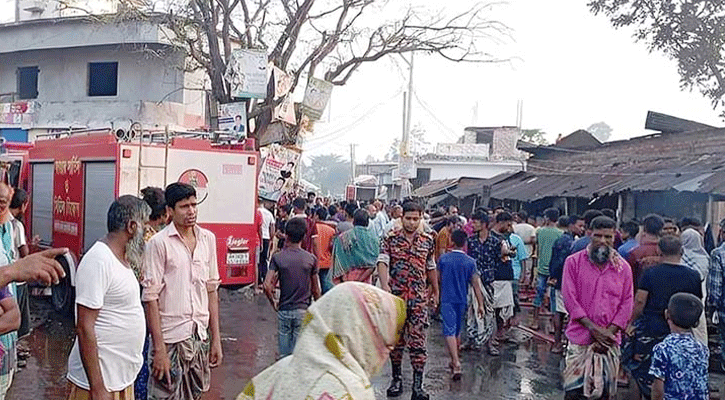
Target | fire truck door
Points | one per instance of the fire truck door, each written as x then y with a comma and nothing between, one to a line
100,192
42,202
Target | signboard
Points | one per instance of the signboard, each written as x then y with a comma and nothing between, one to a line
19,112
406,168
278,174
247,73
464,150
67,198
233,117
317,95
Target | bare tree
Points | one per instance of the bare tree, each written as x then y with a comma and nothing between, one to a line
323,38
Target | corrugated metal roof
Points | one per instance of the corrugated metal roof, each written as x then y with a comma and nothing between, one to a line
687,162
460,187
434,187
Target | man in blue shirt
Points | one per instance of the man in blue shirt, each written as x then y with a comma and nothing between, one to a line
582,243
630,230
457,271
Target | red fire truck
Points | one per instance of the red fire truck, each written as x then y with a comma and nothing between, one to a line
73,177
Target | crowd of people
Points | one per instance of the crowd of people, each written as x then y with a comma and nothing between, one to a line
355,284
620,298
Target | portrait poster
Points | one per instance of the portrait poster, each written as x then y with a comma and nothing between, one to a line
233,118
317,95
278,174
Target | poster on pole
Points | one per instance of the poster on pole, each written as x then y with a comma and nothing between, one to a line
406,168
247,73
233,118
317,95
278,174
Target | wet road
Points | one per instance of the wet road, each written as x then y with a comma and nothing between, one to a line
525,370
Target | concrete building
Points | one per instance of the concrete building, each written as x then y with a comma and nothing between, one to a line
482,152
99,72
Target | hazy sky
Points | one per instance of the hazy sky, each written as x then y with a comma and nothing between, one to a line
571,69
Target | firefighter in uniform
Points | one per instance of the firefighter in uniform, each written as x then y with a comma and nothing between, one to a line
406,265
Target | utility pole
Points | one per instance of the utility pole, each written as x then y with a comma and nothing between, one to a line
352,161
405,114
405,156
405,143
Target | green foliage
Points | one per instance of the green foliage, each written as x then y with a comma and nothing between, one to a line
535,136
330,172
419,145
691,32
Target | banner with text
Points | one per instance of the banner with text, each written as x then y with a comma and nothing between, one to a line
247,73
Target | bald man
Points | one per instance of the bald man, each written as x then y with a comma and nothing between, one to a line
395,216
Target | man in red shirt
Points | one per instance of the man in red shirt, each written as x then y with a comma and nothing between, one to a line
322,247
647,254
300,207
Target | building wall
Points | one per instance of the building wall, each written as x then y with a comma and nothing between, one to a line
78,32
453,170
53,9
150,88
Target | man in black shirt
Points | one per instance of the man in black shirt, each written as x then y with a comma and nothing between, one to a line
503,299
648,326
559,252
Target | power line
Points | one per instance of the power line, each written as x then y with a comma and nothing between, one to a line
343,130
427,109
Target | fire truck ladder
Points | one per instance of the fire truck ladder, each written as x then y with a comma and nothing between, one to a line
164,136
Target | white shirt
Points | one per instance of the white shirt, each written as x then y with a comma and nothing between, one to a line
103,283
526,232
267,219
18,237
378,224
18,241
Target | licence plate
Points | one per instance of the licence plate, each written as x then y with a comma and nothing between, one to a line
237,258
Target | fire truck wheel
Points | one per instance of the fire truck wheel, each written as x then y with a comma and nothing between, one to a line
63,294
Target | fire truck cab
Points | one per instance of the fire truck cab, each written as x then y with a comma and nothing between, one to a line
73,177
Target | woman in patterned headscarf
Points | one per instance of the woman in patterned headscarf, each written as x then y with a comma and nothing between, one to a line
346,339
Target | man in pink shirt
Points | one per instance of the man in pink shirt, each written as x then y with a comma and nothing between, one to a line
180,285
597,291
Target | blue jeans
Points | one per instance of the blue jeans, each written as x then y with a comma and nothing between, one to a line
289,324
540,289
325,280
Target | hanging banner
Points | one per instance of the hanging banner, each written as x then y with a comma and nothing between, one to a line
233,117
247,73
278,174
317,95
285,111
282,82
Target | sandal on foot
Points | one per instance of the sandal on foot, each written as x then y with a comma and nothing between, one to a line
457,373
